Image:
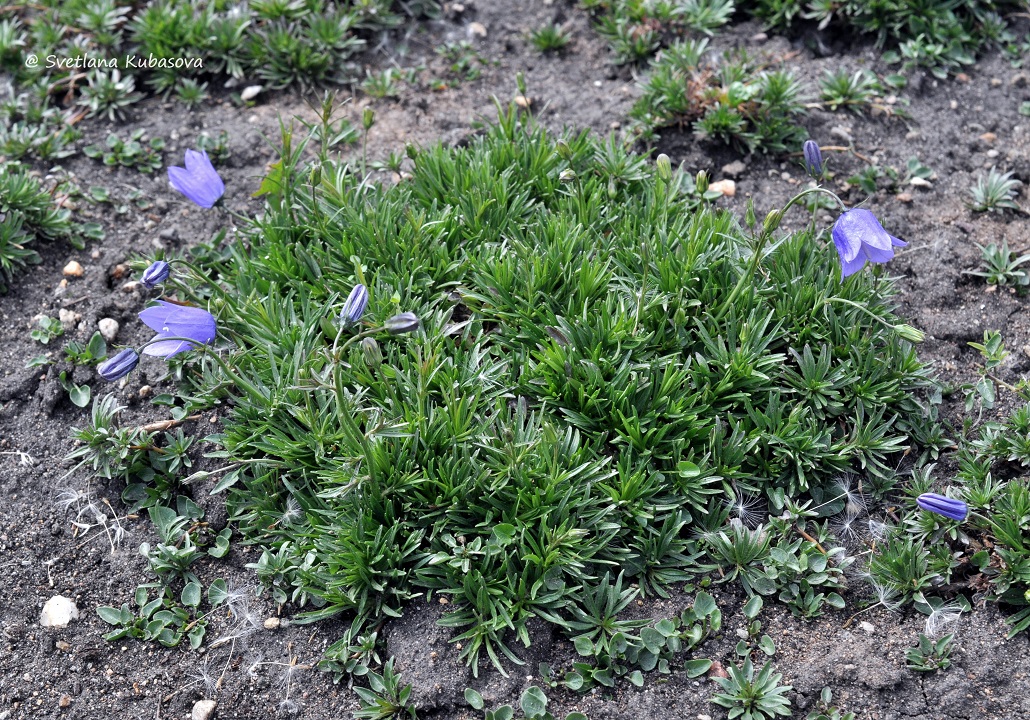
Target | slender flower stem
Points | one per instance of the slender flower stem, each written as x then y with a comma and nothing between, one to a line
337,353
756,256
854,304
238,380
203,278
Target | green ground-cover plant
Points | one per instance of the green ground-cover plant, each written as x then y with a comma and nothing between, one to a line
605,365
28,213
735,98
984,555
752,103
940,36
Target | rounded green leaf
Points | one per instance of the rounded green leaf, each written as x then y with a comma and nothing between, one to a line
191,594
474,699
110,615
753,607
533,702
697,668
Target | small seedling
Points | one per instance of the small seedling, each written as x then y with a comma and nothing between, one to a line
191,93
550,38
849,90
1000,266
132,153
752,697
825,711
49,328
996,192
930,655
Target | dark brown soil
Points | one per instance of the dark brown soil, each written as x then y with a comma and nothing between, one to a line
74,673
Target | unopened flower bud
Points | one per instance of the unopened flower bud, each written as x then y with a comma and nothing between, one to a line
368,118
355,305
568,175
564,151
411,151
813,158
119,366
664,166
401,323
373,355
772,221
910,333
702,182
154,275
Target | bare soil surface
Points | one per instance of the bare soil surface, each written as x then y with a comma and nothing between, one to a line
960,128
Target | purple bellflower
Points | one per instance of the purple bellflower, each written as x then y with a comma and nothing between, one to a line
154,275
859,237
942,505
813,158
355,306
198,181
119,366
177,321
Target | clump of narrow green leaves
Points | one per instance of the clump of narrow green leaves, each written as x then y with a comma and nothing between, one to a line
842,88
752,697
550,38
732,98
1000,266
941,37
597,372
148,463
635,29
29,213
994,192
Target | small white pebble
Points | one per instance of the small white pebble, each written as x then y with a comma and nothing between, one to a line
73,269
108,328
250,92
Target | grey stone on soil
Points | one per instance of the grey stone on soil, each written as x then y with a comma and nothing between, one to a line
842,133
169,233
203,710
436,682
734,169
20,384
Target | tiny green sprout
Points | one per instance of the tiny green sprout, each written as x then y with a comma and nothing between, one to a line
825,711
190,92
550,38
849,90
994,193
49,328
929,655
